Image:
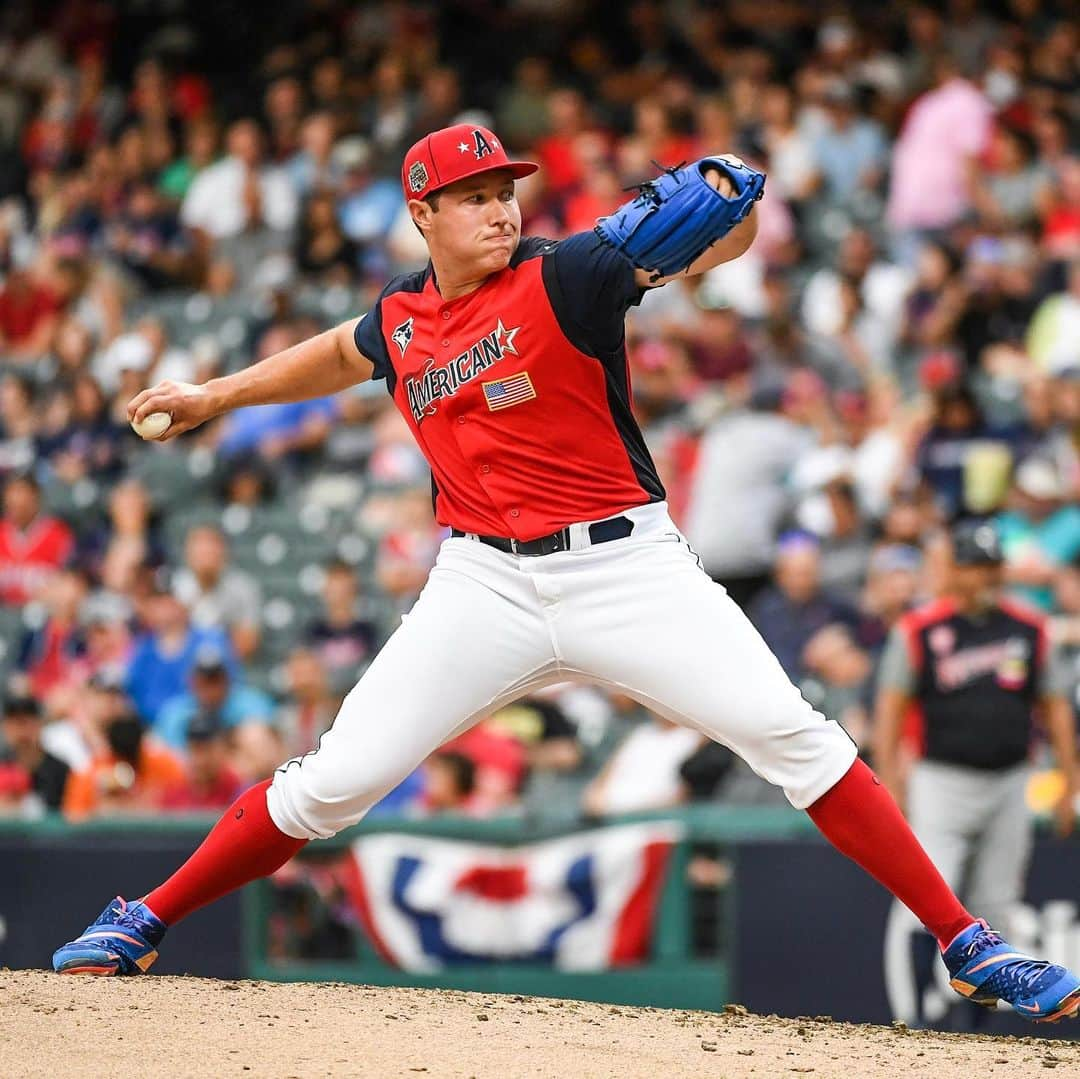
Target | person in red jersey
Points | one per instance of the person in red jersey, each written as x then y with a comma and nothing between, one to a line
506,356
33,545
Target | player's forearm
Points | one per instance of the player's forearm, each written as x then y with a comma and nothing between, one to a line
737,242
1061,730
1032,571
322,365
888,721
729,247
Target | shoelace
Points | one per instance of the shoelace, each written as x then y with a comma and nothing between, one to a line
128,919
1024,972
985,938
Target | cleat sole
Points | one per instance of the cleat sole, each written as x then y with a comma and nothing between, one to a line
1068,1010
147,961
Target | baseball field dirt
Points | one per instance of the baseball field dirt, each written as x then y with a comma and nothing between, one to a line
160,1026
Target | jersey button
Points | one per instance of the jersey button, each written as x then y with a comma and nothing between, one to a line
446,342
446,314
485,469
461,419
515,513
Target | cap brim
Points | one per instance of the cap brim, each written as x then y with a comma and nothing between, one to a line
518,169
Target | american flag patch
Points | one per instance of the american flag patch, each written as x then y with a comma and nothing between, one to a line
505,392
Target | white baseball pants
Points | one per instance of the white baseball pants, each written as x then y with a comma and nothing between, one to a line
637,615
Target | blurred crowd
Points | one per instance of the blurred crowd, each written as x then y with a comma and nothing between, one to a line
186,189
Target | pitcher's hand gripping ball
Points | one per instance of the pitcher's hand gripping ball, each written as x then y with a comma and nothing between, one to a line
680,214
152,426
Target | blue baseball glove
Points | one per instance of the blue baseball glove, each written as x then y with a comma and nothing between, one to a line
679,214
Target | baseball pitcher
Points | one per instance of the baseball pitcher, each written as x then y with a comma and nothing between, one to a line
507,358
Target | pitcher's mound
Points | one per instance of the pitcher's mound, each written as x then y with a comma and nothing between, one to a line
158,1026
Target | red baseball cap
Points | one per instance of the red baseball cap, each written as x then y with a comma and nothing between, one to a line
451,154
939,371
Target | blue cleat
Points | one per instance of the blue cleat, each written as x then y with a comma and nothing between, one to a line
123,940
985,969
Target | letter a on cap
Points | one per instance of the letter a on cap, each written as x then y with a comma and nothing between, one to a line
481,146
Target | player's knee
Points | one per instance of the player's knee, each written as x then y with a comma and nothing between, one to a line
316,796
302,808
291,806
799,751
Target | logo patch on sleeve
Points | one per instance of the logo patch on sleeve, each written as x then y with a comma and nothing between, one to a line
512,390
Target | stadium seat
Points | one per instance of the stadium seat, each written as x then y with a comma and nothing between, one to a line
166,473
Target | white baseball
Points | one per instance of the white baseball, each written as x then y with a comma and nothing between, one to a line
152,426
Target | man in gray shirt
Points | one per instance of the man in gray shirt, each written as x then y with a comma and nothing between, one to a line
217,594
738,498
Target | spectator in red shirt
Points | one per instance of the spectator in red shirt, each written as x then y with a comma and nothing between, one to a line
654,139
33,546
64,657
28,315
449,784
500,765
601,194
210,782
569,120
720,348
50,652
1061,221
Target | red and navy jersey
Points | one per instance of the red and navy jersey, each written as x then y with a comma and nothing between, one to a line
518,393
977,681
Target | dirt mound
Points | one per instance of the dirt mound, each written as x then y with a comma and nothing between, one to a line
159,1026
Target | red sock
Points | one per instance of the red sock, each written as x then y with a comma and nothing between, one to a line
243,846
859,817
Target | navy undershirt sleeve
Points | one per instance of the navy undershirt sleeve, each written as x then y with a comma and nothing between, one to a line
597,287
369,340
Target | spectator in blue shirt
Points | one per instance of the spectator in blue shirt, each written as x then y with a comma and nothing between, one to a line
851,152
270,431
1040,532
367,204
164,656
245,714
791,610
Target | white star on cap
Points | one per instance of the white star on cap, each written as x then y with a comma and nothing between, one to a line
509,335
495,143
463,147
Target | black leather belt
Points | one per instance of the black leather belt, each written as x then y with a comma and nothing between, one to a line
599,532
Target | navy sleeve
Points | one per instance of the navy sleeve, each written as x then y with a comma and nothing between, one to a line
596,286
369,339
